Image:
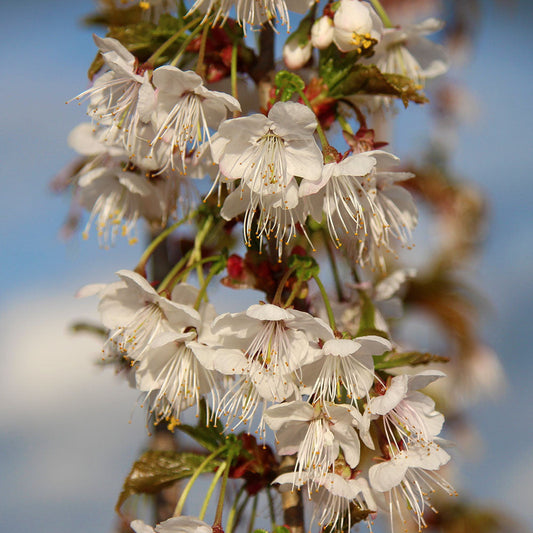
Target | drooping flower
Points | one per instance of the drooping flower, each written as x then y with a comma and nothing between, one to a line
266,154
407,478
316,433
177,371
339,194
253,390
117,193
390,214
252,12
365,209
407,414
333,497
136,315
185,112
408,52
264,348
122,100
347,362
280,340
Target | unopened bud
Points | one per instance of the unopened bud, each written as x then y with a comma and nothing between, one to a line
355,25
296,55
322,33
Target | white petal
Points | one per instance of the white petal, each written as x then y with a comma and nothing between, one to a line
90,290
381,405
268,312
140,527
174,81
388,474
423,379
183,524
278,415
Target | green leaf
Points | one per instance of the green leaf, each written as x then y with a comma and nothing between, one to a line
211,438
396,359
288,83
334,66
303,33
155,470
368,314
143,38
305,267
368,79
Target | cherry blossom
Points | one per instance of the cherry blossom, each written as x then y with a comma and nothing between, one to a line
316,433
185,112
407,478
122,100
333,496
266,154
347,362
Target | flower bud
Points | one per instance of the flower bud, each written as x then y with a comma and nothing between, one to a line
295,55
322,33
355,23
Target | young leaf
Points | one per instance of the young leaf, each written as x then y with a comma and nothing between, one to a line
396,359
369,80
156,469
288,83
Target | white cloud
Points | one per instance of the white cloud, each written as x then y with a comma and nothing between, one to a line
65,422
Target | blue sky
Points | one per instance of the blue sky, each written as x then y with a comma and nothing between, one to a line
66,443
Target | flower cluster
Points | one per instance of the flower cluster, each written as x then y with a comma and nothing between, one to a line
363,438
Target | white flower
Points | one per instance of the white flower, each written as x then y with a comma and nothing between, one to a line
333,498
316,433
384,298
389,214
276,338
348,363
406,51
355,23
177,371
179,524
265,346
407,479
407,414
253,390
364,207
295,54
339,194
251,11
116,193
265,154
185,112
275,216
136,314
322,32
122,100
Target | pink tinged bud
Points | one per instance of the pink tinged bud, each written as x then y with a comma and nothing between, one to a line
322,33
235,266
295,55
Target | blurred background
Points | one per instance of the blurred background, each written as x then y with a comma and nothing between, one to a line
70,430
